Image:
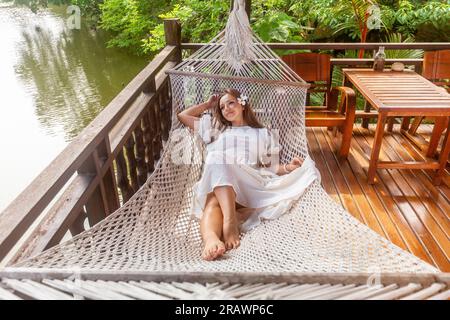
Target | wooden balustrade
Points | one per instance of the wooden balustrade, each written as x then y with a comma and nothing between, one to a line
113,156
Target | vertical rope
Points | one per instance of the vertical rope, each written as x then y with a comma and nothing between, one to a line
238,37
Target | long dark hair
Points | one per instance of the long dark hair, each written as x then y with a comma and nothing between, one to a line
248,113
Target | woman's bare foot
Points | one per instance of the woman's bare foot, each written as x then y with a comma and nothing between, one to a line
213,248
231,233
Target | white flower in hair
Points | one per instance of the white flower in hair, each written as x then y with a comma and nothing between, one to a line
242,99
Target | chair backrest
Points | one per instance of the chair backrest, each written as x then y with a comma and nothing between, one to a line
436,67
314,68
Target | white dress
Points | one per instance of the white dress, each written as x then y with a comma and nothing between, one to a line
233,158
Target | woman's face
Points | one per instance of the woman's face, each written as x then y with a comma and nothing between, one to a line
231,109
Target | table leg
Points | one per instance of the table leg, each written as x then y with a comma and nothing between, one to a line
405,123
415,125
391,122
439,126
376,147
443,158
365,121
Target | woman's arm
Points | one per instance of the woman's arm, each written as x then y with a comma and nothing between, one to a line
272,147
191,114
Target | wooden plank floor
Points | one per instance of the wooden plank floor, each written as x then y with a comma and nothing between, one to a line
403,206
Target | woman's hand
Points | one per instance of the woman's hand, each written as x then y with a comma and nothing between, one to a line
294,164
286,168
212,101
192,114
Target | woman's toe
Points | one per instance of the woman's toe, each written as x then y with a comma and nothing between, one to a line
205,254
213,251
218,251
221,248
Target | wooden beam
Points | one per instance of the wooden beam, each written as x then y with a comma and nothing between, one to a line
232,277
369,61
366,114
407,165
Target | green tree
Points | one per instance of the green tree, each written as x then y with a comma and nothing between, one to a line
130,21
137,24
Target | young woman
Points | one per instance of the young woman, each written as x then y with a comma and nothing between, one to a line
242,181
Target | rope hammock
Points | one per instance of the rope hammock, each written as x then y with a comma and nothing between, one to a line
154,232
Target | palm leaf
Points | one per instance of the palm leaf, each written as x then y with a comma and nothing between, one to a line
402,53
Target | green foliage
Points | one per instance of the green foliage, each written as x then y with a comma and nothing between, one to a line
278,27
137,24
89,8
428,21
130,21
273,21
201,20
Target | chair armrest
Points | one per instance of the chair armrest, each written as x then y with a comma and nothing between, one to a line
347,104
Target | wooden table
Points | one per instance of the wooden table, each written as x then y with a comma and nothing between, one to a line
403,94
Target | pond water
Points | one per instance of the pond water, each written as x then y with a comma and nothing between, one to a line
54,80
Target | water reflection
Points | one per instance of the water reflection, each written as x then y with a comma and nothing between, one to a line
53,82
74,74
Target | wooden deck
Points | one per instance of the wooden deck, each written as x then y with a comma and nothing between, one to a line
403,206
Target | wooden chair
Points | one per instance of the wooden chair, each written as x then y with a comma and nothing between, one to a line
315,68
436,68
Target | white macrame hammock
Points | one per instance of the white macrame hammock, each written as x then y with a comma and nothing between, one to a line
153,231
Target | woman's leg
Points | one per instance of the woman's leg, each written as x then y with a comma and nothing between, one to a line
227,200
211,229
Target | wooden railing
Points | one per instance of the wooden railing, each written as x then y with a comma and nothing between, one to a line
101,168
113,156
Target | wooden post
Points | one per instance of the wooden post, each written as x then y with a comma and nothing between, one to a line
141,165
97,205
172,32
109,179
248,7
122,177
131,157
148,140
365,121
78,225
